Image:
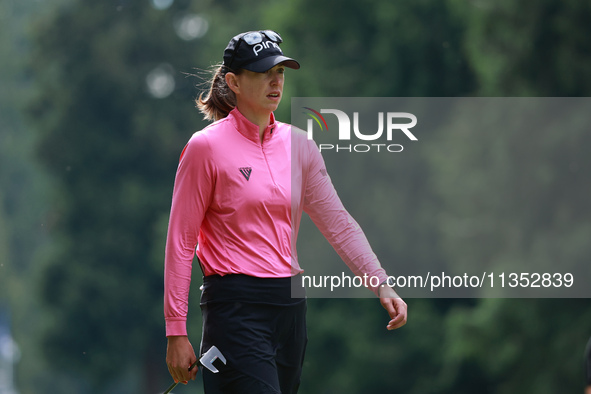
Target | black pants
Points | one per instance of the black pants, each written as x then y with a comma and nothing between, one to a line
262,335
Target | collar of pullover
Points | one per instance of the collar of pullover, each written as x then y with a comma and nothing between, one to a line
249,129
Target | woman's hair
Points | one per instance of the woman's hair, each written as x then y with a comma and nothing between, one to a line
220,99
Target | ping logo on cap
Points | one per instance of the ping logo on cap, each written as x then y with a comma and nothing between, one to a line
264,45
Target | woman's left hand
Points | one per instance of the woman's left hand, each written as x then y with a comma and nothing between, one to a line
395,306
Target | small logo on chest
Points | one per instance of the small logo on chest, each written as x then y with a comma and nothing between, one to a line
246,171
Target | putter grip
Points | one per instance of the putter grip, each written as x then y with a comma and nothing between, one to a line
172,386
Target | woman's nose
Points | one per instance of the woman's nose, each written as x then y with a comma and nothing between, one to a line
276,79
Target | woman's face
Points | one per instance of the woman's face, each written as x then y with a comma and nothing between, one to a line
259,93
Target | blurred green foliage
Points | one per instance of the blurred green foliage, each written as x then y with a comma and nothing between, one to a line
88,154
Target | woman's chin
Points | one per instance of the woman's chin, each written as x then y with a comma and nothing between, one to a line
273,106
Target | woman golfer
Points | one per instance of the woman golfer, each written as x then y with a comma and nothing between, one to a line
240,189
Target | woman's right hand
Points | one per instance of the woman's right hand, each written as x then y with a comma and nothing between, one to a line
179,358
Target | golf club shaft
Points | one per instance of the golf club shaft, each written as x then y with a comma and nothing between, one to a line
170,388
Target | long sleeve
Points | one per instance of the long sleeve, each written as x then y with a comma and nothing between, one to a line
326,210
192,195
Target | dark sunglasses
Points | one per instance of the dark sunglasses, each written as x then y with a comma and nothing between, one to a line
255,37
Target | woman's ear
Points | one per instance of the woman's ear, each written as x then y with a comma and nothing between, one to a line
232,82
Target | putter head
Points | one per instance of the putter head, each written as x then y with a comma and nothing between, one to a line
210,356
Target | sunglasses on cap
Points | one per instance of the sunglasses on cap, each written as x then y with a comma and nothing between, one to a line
256,37
253,38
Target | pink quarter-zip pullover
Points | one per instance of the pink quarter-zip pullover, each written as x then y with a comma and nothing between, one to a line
241,201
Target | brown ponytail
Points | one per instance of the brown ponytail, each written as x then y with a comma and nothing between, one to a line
220,99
